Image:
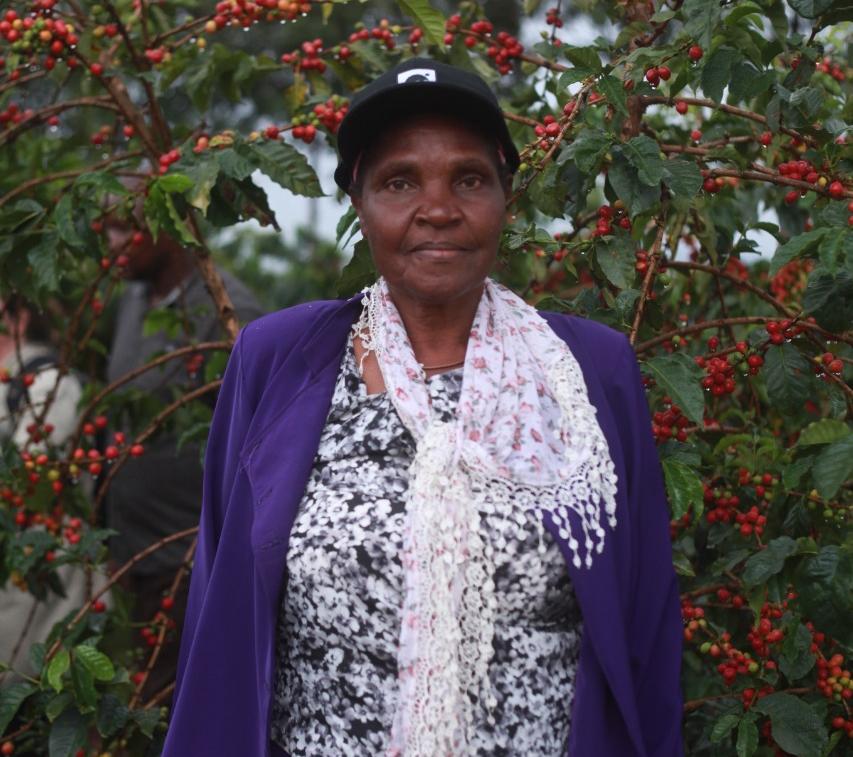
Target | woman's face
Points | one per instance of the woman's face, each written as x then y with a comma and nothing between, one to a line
432,208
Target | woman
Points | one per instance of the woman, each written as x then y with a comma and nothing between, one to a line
434,521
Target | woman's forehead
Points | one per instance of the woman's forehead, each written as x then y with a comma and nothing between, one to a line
431,135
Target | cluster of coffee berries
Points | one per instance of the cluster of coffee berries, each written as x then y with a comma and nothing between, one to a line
693,618
383,32
245,13
719,374
167,158
39,34
763,635
552,18
656,74
102,135
791,279
720,506
332,112
736,664
304,128
12,113
93,458
670,423
826,66
193,364
217,141
780,331
309,59
607,215
828,363
833,680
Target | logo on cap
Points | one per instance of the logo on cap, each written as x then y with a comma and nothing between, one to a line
416,75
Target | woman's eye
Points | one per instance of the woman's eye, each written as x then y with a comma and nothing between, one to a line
471,182
397,185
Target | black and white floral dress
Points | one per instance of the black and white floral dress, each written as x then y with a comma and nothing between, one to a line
335,682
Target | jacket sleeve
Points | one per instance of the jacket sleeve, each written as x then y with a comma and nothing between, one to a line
228,429
654,616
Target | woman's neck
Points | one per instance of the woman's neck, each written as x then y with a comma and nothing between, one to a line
439,332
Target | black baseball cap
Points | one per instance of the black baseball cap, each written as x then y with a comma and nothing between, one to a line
418,85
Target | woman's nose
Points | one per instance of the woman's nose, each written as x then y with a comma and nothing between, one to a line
439,205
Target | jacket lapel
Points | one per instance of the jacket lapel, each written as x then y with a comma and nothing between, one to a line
296,408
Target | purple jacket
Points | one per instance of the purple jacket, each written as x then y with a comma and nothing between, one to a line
264,435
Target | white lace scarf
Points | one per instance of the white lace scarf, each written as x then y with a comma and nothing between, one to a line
524,441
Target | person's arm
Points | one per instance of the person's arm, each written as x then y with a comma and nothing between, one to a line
655,630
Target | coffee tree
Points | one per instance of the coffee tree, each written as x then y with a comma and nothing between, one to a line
686,179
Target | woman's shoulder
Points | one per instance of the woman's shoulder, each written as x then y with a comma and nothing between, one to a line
601,342
267,341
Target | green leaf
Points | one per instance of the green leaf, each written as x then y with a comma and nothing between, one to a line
425,16
57,705
796,727
285,165
588,150
359,272
637,196
56,669
146,720
682,565
84,686
825,589
792,473
67,734
717,72
548,192
796,659
723,727
112,715
810,8
614,93
173,183
833,467
679,377
747,738
683,487
617,259
769,561
347,222
12,696
64,217
98,664
583,57
700,19
796,246
644,154
232,164
788,376
204,177
824,431
682,177
45,260
830,299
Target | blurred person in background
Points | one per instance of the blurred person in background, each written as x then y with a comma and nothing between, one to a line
159,493
29,379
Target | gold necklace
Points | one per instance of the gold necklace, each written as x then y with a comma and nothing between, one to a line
448,365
